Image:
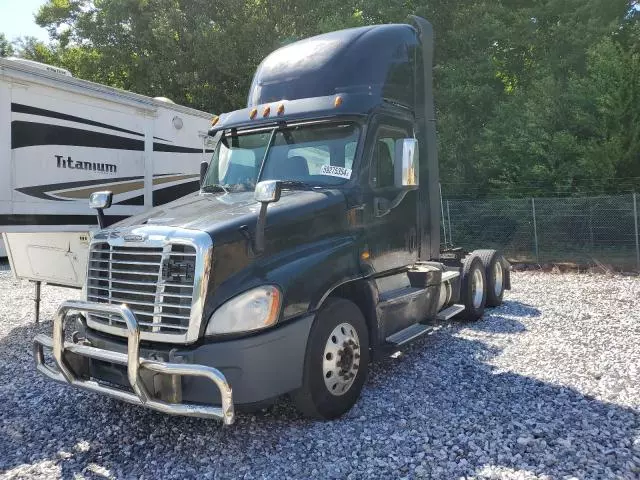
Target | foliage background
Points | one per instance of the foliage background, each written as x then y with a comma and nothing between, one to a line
534,98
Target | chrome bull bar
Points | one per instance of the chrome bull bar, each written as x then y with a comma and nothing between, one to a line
133,362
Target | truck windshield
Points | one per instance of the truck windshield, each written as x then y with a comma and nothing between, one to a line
319,155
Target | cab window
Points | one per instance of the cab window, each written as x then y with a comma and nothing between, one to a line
383,160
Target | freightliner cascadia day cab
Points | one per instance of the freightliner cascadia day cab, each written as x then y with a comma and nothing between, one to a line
311,248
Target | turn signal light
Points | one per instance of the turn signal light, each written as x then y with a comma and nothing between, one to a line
253,113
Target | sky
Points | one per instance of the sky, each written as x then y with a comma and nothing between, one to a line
16,19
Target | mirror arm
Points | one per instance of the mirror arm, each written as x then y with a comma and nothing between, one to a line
384,207
396,201
102,223
244,231
204,166
266,192
258,247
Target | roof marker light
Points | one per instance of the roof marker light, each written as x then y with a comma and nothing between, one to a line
215,120
266,111
281,109
253,113
337,102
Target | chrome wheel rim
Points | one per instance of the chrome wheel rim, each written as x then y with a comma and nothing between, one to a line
477,288
341,359
497,275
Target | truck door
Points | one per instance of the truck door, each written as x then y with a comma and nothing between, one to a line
391,233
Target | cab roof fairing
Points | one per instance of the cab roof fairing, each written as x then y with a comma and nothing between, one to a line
366,66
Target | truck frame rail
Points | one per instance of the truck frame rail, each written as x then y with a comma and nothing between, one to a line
133,362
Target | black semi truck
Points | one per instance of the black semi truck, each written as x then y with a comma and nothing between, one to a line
312,247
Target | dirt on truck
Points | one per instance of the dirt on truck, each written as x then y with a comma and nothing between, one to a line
311,248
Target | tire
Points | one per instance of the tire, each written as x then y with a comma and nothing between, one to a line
332,398
494,267
473,295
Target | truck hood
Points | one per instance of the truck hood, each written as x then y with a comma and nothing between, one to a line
214,212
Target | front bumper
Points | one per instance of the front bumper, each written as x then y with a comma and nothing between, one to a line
135,365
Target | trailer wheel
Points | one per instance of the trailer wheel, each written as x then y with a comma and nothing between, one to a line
336,362
473,288
494,267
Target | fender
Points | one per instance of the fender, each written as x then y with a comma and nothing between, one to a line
305,274
362,291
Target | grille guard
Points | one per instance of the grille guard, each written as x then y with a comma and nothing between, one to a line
133,362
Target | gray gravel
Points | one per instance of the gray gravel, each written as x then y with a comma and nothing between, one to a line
546,386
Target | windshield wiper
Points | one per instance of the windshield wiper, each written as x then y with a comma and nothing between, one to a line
297,184
213,188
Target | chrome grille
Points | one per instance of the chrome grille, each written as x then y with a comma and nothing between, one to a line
157,283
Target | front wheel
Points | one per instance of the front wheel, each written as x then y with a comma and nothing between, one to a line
336,361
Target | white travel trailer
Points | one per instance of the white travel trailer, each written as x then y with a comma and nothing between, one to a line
62,138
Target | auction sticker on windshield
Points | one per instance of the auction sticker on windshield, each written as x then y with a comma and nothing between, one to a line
335,171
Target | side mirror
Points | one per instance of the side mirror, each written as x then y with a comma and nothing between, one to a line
100,201
204,166
406,166
267,192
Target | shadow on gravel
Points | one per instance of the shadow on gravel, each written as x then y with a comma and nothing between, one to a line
440,403
518,308
498,324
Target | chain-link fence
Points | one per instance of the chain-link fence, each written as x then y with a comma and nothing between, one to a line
585,230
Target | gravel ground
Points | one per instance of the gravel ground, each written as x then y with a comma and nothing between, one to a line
546,386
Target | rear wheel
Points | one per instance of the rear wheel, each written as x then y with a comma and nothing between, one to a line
336,361
473,288
494,266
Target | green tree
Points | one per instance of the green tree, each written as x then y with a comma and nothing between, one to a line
33,49
538,133
532,96
613,85
6,49
197,52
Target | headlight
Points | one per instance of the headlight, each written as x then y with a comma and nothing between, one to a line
252,310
